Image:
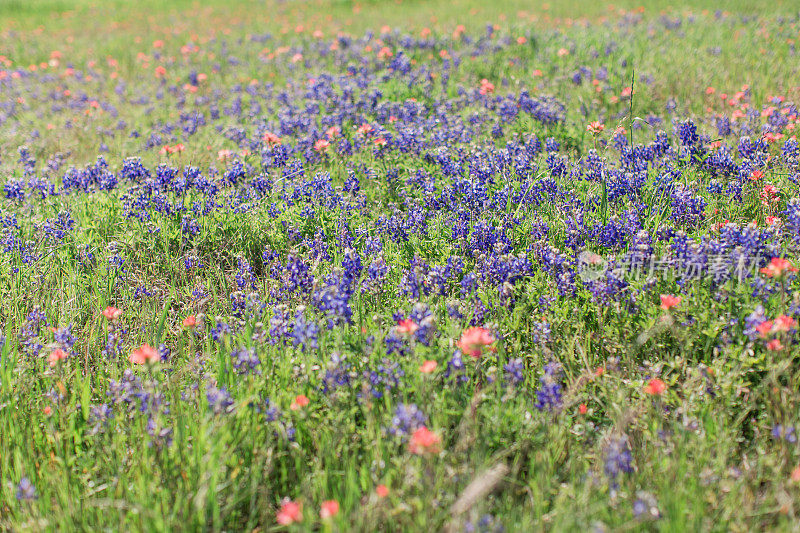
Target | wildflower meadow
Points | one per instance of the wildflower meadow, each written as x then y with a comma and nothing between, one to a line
402,265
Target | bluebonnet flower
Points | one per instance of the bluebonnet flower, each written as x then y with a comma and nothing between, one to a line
14,189
113,345
29,333
272,414
279,324
246,306
64,338
376,275
385,378
219,401
792,217
513,371
141,292
26,159
406,419
352,184
99,417
456,369
791,152
687,210
199,292
333,299
541,333
245,278
133,170
687,133
303,332
351,266
753,320
618,459
245,361
786,433
117,264
189,227
127,390
297,277
192,262
337,374
26,491
723,123
480,312
486,524
269,410
220,330
163,352
454,310
57,229
469,284
137,396
548,396
161,436
422,316
395,343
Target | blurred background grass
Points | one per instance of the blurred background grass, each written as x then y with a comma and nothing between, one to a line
82,15
676,49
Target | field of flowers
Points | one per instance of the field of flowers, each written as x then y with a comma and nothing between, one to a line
354,266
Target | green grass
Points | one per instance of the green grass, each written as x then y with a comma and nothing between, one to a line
701,454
